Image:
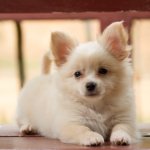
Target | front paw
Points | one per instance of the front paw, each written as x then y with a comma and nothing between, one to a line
27,129
120,137
91,139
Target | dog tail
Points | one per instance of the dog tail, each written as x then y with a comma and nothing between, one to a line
46,63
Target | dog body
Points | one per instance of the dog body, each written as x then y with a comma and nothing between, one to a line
89,98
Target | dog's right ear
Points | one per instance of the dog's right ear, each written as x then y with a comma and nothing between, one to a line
61,45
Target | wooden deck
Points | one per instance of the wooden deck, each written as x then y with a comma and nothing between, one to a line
11,139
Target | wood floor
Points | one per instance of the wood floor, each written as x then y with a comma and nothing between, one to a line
11,139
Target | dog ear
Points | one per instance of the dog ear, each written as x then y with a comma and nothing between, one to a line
61,45
114,39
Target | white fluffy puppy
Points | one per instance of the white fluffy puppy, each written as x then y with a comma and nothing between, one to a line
89,99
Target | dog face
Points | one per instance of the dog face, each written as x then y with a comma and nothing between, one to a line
92,70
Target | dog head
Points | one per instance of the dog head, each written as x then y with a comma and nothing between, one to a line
92,70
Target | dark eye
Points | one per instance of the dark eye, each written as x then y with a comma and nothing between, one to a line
102,71
77,74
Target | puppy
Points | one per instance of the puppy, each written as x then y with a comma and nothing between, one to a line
89,99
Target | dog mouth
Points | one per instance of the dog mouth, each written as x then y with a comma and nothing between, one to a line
92,94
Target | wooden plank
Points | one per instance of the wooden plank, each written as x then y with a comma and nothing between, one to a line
47,6
45,143
11,139
106,16
8,130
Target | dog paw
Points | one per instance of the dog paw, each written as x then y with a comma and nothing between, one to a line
27,129
91,139
120,138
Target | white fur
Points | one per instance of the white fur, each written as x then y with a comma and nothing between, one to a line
57,107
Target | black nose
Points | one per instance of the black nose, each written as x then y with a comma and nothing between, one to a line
90,86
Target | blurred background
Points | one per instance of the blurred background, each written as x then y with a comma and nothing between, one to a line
36,41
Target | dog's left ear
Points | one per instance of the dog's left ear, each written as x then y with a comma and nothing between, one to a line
61,45
114,39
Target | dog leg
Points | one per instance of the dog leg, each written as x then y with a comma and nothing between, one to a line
82,135
120,135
